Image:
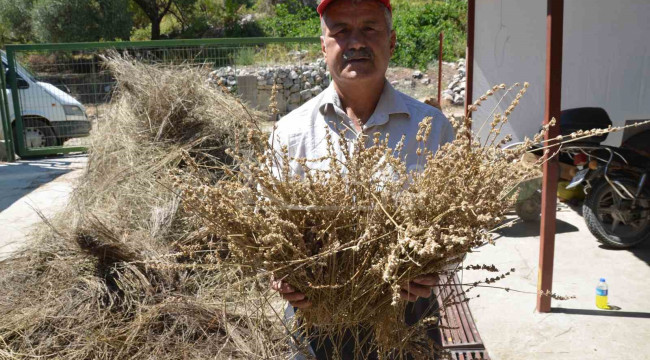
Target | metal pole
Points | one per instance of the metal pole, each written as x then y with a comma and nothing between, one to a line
442,37
469,54
13,82
4,115
554,22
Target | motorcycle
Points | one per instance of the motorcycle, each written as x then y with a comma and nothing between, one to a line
616,208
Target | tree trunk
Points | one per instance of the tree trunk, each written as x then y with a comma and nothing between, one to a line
155,29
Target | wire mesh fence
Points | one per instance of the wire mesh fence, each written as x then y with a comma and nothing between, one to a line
60,91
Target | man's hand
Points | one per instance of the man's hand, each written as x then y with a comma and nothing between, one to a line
419,287
295,298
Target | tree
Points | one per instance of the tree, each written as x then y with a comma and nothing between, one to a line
156,10
81,20
16,20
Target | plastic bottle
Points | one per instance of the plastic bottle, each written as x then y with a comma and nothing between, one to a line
601,294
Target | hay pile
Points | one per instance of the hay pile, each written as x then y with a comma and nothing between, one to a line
106,279
350,234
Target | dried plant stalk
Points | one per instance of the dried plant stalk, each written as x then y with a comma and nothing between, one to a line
348,234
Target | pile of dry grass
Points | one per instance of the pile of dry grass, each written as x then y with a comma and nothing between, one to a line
350,233
105,279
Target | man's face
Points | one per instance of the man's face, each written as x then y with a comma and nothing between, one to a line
357,44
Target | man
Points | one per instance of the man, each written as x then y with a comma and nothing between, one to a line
357,43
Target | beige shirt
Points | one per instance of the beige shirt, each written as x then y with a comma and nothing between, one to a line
303,130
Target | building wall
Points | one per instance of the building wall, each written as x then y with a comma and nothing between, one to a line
606,58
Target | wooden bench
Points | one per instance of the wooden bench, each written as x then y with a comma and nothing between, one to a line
460,337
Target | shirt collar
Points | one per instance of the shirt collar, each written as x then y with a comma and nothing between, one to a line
390,103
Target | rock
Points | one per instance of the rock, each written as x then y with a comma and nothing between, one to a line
306,85
447,99
305,94
270,81
462,93
231,83
459,100
448,92
426,81
394,82
294,98
314,74
452,84
316,90
292,107
288,83
417,75
318,79
326,82
295,88
294,75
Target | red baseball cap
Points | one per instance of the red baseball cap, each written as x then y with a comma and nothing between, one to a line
325,3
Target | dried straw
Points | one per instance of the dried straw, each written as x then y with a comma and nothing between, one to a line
104,279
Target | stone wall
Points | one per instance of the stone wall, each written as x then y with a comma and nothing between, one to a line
455,92
297,83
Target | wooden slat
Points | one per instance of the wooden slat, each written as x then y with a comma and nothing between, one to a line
468,325
449,317
462,340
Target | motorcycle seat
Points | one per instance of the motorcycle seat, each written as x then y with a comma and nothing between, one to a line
633,158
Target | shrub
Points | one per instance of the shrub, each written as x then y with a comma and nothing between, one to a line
81,20
418,27
292,19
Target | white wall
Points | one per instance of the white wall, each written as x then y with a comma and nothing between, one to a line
606,58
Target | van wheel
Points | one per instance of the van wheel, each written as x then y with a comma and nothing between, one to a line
37,133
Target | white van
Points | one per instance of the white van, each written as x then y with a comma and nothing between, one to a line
50,116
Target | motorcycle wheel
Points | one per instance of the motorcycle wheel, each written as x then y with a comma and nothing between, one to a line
612,220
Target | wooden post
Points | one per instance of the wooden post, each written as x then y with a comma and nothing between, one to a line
442,36
469,53
554,23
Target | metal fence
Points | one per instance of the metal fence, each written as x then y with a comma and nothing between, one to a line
55,93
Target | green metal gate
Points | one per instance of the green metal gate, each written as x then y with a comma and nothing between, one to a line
55,93
4,116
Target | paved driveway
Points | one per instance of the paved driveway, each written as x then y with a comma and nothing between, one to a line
29,187
576,329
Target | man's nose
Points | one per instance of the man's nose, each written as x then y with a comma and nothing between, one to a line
356,40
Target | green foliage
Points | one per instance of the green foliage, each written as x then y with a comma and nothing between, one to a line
292,19
81,20
244,56
418,27
16,20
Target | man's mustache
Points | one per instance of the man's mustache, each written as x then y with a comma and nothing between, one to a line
358,54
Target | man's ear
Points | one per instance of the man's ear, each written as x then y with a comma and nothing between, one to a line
393,42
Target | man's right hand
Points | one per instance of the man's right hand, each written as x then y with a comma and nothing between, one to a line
295,298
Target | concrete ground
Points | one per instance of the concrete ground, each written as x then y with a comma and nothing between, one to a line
575,329
30,187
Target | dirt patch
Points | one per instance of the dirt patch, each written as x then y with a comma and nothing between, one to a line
403,80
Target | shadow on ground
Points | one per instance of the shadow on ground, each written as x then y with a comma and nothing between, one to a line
20,178
526,229
641,251
611,313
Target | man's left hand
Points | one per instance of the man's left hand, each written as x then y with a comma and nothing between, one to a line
418,287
